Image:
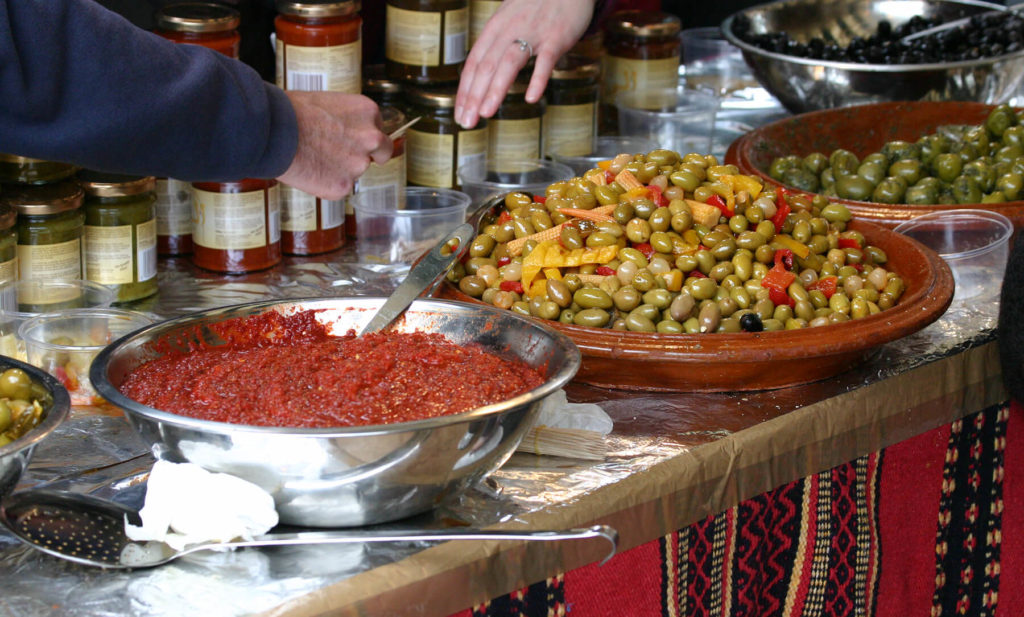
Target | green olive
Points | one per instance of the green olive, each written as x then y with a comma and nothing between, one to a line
1000,119
570,238
800,178
815,162
843,163
1011,185
908,169
592,317
15,384
947,166
852,186
623,213
605,195
591,297
889,191
871,171
966,190
626,299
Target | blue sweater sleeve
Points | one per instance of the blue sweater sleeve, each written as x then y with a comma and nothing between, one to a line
80,84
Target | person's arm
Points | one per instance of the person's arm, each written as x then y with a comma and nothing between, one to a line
82,85
550,27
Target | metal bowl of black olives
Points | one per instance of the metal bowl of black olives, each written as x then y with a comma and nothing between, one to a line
822,54
32,404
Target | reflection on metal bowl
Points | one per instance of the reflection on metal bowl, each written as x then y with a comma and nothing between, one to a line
805,84
15,456
354,475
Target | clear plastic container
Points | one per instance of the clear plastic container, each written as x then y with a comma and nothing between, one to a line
23,300
974,243
606,148
675,118
64,343
389,235
533,176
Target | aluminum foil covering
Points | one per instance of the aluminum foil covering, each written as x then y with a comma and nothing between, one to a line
97,452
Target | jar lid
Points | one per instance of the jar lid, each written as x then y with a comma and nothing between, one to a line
198,17
98,184
644,24
375,80
44,198
318,8
440,99
572,66
7,216
393,118
20,160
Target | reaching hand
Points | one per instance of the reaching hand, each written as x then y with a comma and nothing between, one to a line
518,29
339,135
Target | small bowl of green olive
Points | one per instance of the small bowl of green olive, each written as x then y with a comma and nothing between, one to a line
892,162
32,405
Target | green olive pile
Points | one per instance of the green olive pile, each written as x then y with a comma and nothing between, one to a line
665,272
956,165
21,404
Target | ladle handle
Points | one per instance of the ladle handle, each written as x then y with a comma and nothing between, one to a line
354,536
421,277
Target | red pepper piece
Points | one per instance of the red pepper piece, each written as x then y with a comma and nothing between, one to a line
782,209
697,274
857,267
849,243
826,285
540,198
779,298
515,286
784,258
504,217
657,197
718,202
609,177
504,261
645,248
604,271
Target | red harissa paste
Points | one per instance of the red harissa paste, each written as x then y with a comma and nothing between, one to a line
278,370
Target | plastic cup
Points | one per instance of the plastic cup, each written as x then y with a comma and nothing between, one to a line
605,148
675,118
974,243
534,176
64,343
712,63
389,235
22,300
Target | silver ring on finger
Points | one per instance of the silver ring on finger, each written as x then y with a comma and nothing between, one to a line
524,46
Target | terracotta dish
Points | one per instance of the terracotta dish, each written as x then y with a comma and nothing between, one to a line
763,360
862,130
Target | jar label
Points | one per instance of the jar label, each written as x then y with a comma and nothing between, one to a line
109,254
456,35
413,37
274,214
298,210
145,240
226,221
479,12
430,159
62,260
381,185
173,207
511,140
627,75
9,270
336,68
332,213
471,149
569,129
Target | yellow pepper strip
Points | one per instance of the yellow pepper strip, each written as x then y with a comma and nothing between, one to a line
534,262
799,249
552,274
740,182
634,194
691,238
703,213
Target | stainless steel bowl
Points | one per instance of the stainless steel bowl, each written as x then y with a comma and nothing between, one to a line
15,456
804,84
356,475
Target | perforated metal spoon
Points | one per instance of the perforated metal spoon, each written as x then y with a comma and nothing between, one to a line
91,531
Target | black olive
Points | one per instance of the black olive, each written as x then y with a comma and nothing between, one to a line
751,322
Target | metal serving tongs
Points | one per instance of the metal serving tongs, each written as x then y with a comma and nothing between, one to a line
427,273
91,531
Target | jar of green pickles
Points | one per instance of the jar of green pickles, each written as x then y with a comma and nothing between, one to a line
570,120
8,244
24,170
50,225
119,238
437,146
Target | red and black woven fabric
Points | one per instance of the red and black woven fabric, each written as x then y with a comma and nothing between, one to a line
924,527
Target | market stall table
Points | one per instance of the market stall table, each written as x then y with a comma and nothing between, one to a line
673,460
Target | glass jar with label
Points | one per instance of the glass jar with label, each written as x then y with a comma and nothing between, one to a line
24,170
641,53
385,92
310,225
480,11
50,226
8,244
383,185
318,45
173,217
236,226
570,119
437,146
201,23
515,131
426,41
119,239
